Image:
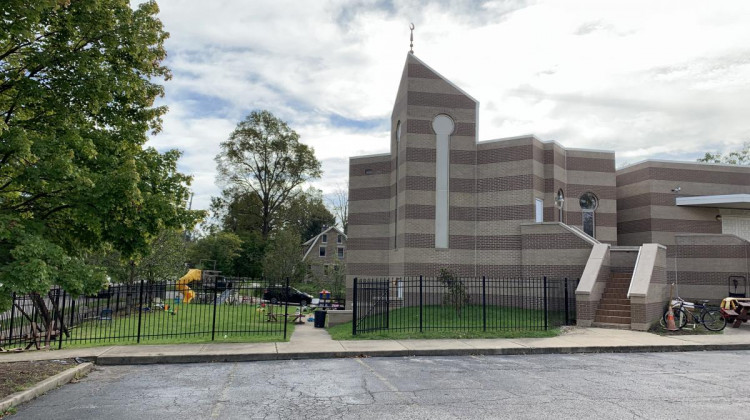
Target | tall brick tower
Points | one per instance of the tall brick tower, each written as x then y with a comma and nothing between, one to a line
433,161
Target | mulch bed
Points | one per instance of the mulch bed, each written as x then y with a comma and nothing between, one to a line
17,376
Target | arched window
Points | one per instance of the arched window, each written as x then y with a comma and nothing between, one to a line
559,201
588,203
443,126
395,222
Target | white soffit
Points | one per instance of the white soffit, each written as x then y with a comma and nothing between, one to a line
729,201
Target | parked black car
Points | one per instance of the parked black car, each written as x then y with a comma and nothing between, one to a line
277,294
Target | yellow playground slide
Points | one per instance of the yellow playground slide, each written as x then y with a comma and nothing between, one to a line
182,284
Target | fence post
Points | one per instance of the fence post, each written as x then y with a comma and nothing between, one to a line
61,319
420,303
140,311
567,318
286,306
213,323
354,308
484,303
12,318
387,303
545,304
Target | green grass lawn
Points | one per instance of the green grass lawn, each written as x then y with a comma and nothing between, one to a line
190,323
440,321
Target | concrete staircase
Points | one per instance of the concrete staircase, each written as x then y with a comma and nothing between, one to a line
614,307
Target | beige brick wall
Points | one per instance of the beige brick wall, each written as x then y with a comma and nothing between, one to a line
492,190
701,265
646,209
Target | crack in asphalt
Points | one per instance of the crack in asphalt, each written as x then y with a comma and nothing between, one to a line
223,397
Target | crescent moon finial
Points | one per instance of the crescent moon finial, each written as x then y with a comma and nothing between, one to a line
411,38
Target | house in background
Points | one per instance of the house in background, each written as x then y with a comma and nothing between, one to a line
325,255
523,207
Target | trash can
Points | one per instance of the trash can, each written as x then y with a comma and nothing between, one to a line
320,319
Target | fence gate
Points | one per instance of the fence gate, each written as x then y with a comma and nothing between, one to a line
371,303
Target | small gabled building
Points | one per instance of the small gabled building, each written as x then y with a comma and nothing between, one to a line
325,253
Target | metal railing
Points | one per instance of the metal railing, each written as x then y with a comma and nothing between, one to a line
462,304
145,311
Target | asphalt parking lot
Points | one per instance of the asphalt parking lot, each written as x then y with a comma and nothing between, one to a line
613,386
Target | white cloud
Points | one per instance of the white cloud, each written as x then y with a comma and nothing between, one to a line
644,78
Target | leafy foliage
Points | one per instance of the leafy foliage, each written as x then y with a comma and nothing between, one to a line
220,247
283,258
263,156
307,214
78,81
738,157
249,261
455,291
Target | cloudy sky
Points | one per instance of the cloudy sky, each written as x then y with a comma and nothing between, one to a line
648,79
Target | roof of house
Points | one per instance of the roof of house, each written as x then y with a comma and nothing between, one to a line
311,243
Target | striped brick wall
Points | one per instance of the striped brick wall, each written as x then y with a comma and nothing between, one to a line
702,264
551,249
369,215
492,185
646,210
427,95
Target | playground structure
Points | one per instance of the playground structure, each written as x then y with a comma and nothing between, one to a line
209,281
182,284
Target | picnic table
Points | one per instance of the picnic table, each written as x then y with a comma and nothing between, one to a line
298,317
742,315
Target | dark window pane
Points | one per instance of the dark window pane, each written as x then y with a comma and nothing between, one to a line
588,222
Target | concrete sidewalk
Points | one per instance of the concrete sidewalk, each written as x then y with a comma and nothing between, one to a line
311,343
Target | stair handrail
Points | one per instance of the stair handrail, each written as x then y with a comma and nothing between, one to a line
635,268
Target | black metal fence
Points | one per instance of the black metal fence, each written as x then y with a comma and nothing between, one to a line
168,311
465,304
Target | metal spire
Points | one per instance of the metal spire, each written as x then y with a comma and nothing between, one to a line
411,38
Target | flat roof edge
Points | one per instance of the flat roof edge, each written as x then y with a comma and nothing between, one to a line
684,162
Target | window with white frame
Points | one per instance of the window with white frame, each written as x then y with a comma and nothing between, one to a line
341,252
539,210
339,239
322,251
324,238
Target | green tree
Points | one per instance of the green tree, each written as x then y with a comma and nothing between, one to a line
166,259
236,212
221,247
737,157
78,81
249,262
284,257
455,291
307,214
264,156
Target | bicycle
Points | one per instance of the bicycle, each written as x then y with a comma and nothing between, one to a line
710,317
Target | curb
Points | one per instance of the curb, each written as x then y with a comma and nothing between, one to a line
44,386
258,357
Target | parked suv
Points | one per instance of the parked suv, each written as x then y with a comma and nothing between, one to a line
276,294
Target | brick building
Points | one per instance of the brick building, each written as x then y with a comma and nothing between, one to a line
522,207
